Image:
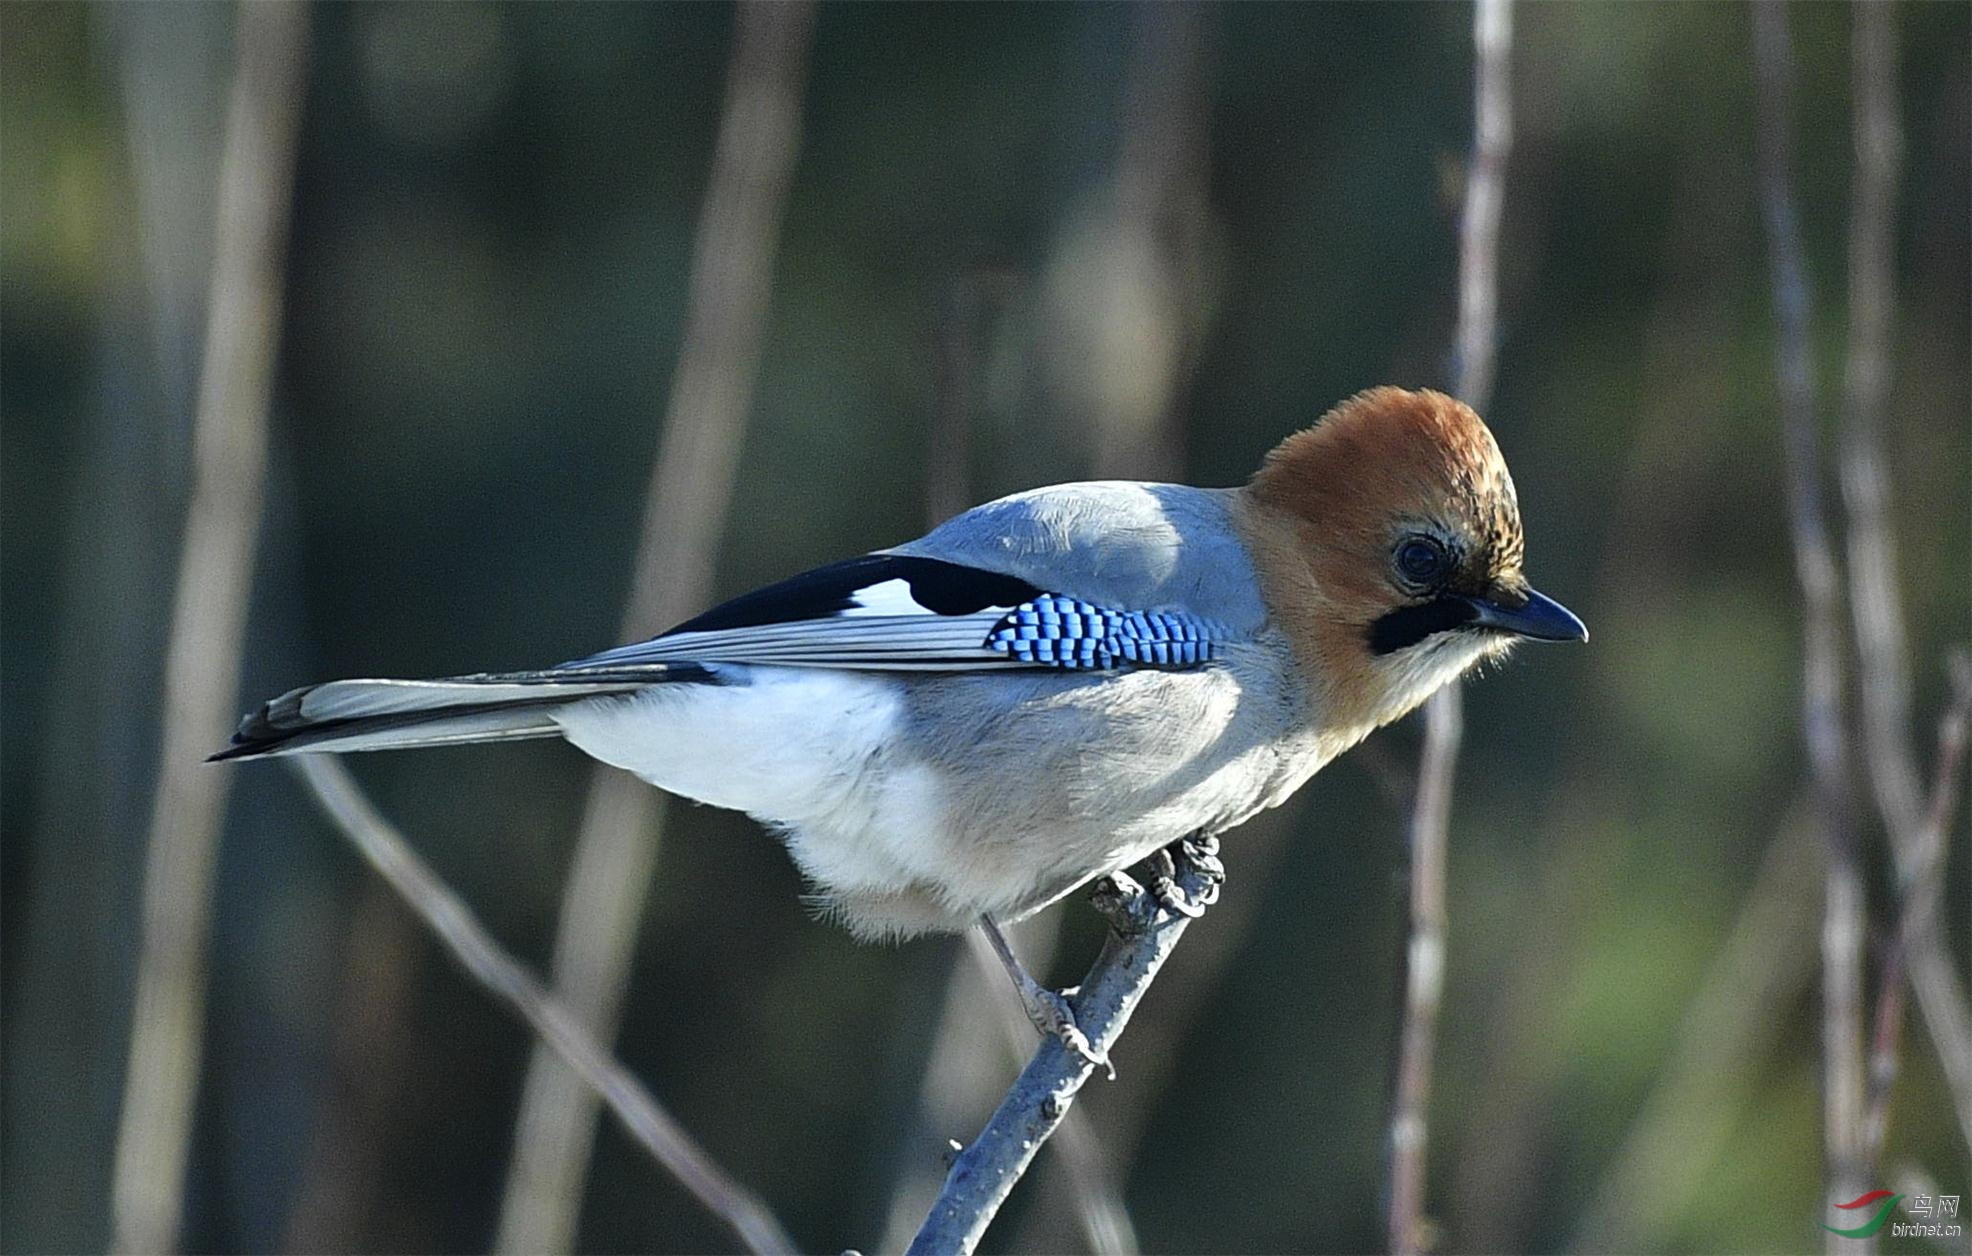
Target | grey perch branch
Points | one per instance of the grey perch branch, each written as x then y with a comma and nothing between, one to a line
442,911
1143,933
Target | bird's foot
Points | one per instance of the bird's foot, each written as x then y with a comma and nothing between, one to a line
1197,856
1051,1014
1048,1010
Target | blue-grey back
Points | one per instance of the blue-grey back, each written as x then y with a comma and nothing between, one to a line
1118,543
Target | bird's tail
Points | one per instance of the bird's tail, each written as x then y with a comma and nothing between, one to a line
345,715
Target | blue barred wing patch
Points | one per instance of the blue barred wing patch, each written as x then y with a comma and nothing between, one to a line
1053,631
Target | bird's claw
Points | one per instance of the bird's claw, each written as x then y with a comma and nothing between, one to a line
1201,858
1054,1018
1202,852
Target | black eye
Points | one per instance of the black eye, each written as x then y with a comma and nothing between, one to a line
1422,560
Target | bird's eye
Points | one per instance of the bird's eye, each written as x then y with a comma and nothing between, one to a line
1422,560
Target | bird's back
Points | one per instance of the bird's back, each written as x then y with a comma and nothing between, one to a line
1115,543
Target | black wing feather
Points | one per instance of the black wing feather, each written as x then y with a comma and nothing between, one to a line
940,587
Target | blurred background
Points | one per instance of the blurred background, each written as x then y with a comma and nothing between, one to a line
1020,244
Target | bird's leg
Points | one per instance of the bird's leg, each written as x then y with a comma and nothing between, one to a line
1048,1010
1200,853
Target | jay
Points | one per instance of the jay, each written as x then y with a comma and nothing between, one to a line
1045,689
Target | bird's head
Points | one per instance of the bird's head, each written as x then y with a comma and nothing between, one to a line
1388,537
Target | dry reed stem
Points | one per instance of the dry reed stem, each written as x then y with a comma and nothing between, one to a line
208,625
1875,601
690,491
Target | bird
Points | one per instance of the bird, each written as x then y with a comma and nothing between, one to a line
1044,690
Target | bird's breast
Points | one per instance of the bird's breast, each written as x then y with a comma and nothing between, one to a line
921,801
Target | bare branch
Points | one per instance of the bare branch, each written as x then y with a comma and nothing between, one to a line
1919,949
1424,972
459,930
208,623
985,1172
1485,196
1875,601
1478,301
1815,568
690,490
1917,834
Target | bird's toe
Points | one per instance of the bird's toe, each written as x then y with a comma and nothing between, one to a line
1053,1016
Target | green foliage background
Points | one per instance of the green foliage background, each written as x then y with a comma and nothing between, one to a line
494,214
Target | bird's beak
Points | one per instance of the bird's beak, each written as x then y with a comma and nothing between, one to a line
1539,617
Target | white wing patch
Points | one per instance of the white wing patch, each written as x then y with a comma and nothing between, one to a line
891,598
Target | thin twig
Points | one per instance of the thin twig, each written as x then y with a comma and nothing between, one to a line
1815,568
1917,927
1478,288
1917,834
1874,598
690,491
1424,973
1918,952
1485,196
1883,677
208,623
448,917
1875,603
985,1173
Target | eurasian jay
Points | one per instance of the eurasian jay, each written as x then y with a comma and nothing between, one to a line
1045,689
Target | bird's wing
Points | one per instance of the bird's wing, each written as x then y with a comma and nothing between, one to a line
907,612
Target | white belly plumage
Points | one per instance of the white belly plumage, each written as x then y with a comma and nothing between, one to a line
892,846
